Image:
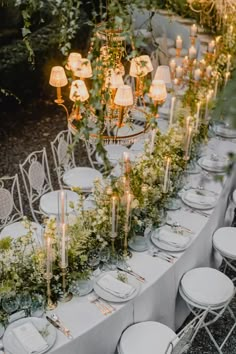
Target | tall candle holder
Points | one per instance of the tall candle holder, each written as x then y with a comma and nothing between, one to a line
50,305
48,274
114,222
65,296
126,251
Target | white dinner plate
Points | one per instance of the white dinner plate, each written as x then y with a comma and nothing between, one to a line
110,297
201,195
48,332
166,246
224,131
212,167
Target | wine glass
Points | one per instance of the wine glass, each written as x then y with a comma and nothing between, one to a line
25,301
93,259
10,302
104,258
37,305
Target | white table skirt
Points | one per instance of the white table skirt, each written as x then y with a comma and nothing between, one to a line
158,300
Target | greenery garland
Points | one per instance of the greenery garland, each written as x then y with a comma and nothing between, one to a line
22,261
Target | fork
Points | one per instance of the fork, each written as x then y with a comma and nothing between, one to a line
105,310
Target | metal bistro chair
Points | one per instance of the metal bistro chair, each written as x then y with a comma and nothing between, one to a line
11,211
68,174
154,337
209,288
224,242
43,200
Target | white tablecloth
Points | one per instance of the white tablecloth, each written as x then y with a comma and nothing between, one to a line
158,300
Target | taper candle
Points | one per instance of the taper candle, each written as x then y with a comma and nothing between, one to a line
188,143
179,42
62,199
173,99
198,115
167,172
193,30
114,217
63,246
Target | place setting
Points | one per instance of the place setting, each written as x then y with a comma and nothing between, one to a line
213,163
29,336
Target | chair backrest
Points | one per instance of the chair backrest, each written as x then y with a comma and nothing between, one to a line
37,181
183,341
10,201
63,156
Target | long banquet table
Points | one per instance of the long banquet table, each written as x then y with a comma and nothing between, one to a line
158,299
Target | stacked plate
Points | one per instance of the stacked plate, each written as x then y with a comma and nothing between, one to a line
110,288
199,199
225,131
41,336
213,164
167,239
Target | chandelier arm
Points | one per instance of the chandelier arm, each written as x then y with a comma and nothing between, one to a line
65,108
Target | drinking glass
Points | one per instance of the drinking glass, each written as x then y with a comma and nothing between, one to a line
104,258
10,302
93,259
37,305
25,301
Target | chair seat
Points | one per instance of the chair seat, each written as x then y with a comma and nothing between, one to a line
224,240
207,287
114,153
17,229
146,338
169,42
82,177
234,196
49,202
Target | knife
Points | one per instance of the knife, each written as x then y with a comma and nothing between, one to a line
60,328
137,276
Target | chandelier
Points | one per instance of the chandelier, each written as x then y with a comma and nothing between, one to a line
213,9
112,97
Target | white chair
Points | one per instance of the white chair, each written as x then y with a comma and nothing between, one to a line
224,241
68,174
203,288
11,211
156,338
42,199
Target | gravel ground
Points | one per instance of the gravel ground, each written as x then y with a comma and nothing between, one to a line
33,128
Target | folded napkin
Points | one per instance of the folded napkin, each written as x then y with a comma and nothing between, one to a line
115,286
30,339
217,164
165,235
200,199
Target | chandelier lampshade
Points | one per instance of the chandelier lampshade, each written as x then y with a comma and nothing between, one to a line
85,69
158,91
58,77
163,73
124,96
140,66
78,91
74,61
113,80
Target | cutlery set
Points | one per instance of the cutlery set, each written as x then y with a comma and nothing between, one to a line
170,258
128,270
104,307
55,321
